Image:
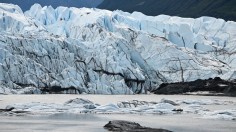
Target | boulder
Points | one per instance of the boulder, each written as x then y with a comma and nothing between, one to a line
8,108
119,125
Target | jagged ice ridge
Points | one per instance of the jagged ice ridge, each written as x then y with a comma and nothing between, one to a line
81,50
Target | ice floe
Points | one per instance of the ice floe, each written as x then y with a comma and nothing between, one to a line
83,106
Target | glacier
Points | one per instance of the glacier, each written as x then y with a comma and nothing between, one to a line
94,51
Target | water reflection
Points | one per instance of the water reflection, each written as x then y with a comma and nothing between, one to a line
68,116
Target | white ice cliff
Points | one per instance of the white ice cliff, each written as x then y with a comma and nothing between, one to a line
72,50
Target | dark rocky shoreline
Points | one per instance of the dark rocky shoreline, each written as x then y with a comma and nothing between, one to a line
216,86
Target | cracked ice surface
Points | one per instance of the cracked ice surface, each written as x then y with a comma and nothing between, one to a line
102,52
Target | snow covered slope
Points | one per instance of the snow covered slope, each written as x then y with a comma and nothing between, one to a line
94,51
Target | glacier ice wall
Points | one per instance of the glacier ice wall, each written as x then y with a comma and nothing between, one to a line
81,50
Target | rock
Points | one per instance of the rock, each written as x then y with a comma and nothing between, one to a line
8,108
178,110
119,125
216,85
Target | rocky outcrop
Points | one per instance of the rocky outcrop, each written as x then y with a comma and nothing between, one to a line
216,85
126,126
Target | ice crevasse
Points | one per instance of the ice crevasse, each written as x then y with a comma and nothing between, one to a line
82,50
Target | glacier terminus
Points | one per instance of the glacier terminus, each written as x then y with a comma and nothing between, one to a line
94,51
